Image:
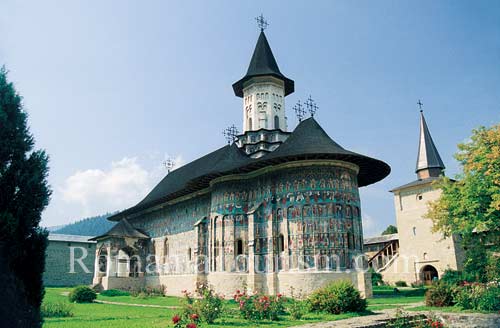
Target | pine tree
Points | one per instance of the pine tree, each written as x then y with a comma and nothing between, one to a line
24,193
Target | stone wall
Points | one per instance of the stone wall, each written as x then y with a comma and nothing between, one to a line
58,266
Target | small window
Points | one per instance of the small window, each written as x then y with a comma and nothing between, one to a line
276,122
420,197
249,123
414,231
425,256
239,247
189,253
281,245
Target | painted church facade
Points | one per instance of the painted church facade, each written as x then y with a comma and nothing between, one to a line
271,211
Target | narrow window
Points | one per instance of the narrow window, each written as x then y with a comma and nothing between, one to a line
414,231
281,245
189,253
249,123
276,122
239,247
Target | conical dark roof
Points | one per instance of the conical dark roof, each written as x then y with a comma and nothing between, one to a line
310,141
263,63
428,155
123,229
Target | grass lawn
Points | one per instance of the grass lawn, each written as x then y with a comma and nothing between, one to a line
120,316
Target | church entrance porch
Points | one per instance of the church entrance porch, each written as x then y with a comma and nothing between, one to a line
428,274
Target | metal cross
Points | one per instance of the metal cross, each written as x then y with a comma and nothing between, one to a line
420,104
311,106
230,133
261,22
299,111
169,164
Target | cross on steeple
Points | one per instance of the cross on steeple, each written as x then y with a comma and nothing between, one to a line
420,104
261,22
169,164
311,106
299,111
230,133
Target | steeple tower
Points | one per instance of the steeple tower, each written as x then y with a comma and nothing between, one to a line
263,89
429,163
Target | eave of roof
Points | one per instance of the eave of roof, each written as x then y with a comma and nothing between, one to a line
380,239
70,238
123,229
307,141
416,183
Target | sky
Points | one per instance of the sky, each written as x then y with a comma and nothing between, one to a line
113,88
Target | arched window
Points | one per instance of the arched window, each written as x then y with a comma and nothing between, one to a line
239,247
249,123
276,122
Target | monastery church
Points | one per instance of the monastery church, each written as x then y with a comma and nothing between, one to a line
274,209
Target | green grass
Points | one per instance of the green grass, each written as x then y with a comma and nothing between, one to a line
158,300
119,316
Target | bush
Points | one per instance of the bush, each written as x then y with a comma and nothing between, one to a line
337,297
82,294
297,308
114,292
56,310
211,305
479,297
376,278
148,292
208,307
439,295
401,283
452,277
260,307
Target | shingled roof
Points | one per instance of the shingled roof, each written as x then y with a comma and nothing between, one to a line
428,155
263,63
123,229
307,141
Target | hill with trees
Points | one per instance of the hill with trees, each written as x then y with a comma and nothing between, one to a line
93,226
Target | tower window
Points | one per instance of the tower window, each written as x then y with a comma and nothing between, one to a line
249,123
276,122
189,253
414,231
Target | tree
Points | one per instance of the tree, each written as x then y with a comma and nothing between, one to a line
390,230
24,194
470,206
472,203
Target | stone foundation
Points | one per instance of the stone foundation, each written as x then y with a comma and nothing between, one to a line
302,282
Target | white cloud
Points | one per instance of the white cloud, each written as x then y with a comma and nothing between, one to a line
98,190
93,192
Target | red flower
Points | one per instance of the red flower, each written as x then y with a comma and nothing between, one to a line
194,316
191,325
176,319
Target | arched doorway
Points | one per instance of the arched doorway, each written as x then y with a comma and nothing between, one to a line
428,274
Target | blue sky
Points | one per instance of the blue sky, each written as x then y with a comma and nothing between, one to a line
114,87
